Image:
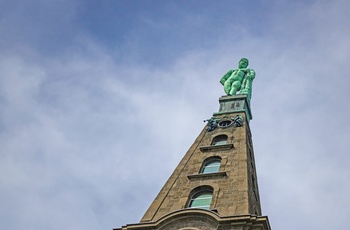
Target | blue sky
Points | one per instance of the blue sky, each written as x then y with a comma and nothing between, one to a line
101,99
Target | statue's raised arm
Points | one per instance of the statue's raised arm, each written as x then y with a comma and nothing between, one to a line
239,81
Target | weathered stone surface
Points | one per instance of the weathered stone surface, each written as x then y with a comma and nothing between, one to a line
234,194
235,202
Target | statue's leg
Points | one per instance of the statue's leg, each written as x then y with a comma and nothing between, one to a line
235,87
227,86
247,89
233,91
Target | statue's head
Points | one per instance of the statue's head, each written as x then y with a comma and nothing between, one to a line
243,63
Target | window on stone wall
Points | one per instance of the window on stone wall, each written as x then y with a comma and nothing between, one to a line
211,165
219,140
201,197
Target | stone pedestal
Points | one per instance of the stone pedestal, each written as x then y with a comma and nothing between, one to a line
235,104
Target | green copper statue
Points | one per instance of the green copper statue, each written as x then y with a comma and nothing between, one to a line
239,80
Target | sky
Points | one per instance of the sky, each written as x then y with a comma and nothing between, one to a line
100,100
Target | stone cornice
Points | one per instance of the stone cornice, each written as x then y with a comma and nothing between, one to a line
207,175
211,148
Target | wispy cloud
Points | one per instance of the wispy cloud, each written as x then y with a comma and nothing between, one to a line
91,126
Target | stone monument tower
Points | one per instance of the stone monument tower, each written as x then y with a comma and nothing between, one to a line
215,184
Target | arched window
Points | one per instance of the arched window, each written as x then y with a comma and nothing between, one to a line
219,140
211,165
201,197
